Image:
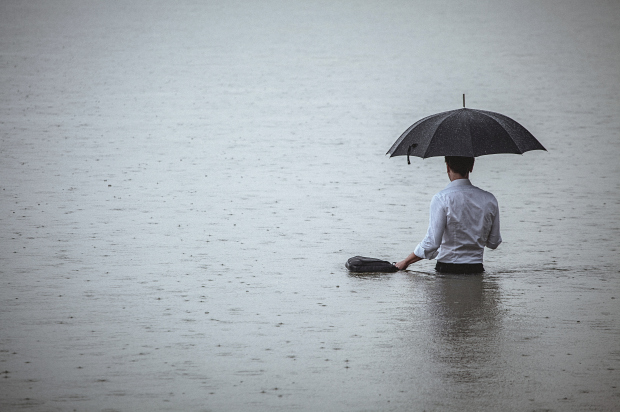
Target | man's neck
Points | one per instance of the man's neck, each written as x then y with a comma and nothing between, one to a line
456,176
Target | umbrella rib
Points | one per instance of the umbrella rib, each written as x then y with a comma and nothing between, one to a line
523,146
450,114
500,123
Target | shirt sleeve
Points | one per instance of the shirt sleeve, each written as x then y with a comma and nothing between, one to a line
429,247
494,236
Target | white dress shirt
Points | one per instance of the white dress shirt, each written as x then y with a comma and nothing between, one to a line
463,220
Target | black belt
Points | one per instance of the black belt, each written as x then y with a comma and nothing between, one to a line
459,267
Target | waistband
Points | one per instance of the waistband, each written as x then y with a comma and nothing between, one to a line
459,267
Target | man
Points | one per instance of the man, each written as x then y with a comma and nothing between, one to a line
463,220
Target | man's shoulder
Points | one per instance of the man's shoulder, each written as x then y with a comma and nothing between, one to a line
483,191
489,198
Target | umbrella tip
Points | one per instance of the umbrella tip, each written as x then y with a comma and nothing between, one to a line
463,100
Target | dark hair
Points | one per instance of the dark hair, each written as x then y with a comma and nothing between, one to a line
459,164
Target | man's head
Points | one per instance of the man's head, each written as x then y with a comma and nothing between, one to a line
460,165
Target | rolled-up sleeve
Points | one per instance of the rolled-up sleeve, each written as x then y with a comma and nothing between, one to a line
429,247
494,236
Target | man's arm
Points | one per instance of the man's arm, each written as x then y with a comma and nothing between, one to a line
428,248
494,237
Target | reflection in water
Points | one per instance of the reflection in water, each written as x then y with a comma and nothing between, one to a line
465,325
436,334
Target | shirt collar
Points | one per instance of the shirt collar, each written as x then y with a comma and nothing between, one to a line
459,182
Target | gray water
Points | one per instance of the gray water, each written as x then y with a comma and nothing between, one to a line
182,183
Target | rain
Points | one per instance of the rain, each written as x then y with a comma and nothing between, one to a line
183,182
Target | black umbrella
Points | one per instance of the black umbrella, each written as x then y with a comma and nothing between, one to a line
464,132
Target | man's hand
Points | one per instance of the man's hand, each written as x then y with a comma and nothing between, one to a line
404,264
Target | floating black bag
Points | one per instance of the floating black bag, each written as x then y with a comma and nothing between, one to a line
361,264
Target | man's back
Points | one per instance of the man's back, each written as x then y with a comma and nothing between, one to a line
464,219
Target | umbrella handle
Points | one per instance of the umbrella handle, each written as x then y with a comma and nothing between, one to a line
413,146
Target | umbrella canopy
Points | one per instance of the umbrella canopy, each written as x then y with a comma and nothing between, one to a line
464,132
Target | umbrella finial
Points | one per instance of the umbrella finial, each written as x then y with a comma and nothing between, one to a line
463,100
